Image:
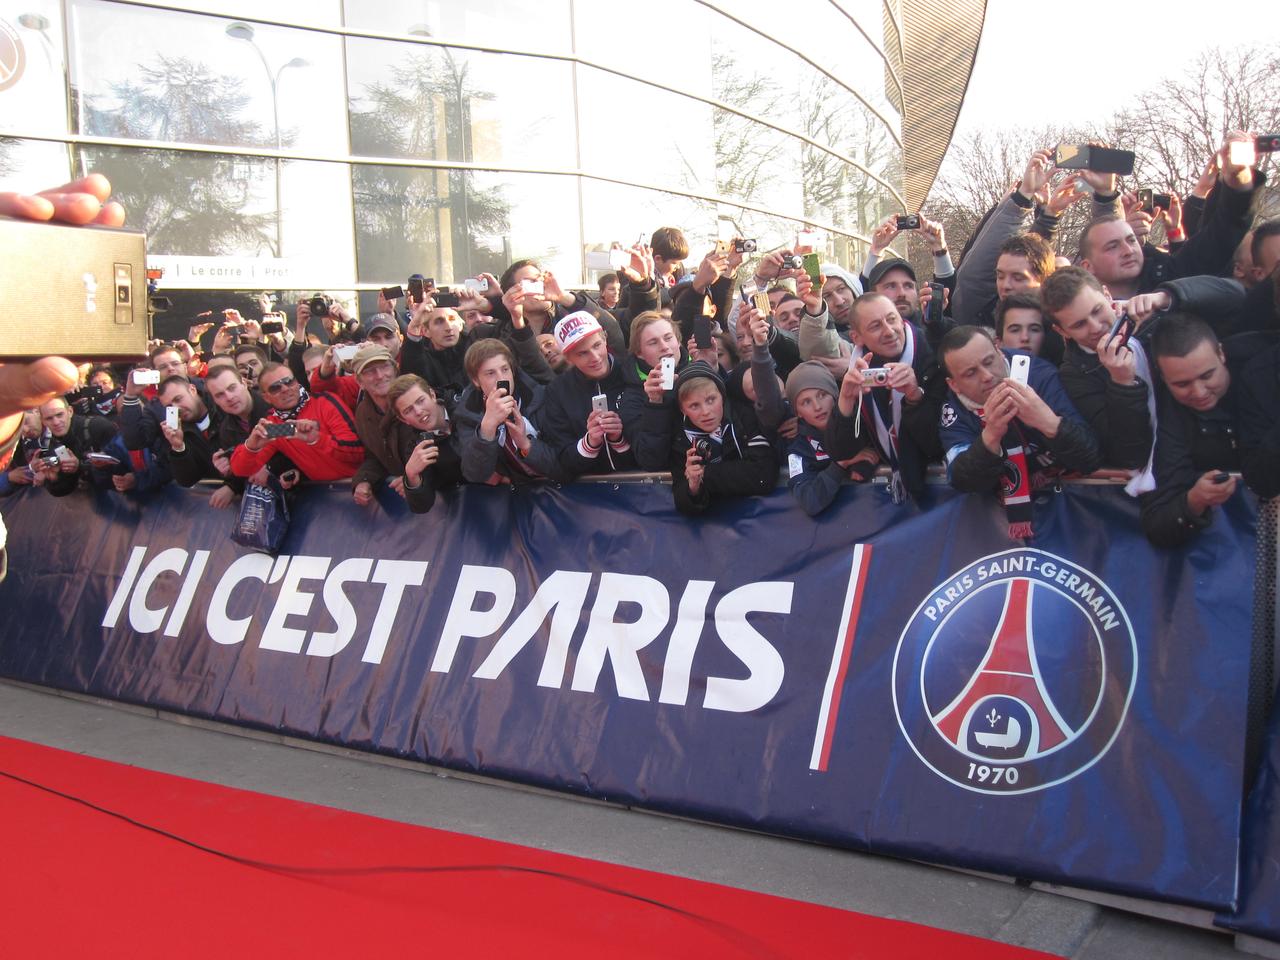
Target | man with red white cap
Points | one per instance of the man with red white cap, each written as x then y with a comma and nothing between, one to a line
587,432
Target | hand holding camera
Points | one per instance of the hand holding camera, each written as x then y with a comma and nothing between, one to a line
1212,489
884,235
1115,354
713,266
695,465
1036,174
902,378
1237,158
424,455
499,408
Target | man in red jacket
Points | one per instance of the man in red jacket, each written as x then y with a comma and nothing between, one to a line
323,444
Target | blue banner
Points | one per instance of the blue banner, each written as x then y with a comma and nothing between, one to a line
899,679
1259,911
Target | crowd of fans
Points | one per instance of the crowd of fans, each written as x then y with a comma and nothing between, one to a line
1015,364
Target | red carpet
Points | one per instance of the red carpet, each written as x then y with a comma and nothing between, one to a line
78,882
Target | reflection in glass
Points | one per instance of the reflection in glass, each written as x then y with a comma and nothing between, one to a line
453,224
192,204
440,103
541,25
143,74
29,166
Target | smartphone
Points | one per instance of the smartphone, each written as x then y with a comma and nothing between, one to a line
813,267
1085,156
748,290
722,247
1146,200
702,446
505,385
702,332
908,221
600,403
618,258
1019,368
446,298
1242,153
761,303
667,367
277,430
1122,328
272,326
392,293
1221,478
345,352
531,287
1267,143
476,285
172,418
142,377
416,290
937,298
101,459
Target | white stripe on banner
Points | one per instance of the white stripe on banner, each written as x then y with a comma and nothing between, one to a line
840,657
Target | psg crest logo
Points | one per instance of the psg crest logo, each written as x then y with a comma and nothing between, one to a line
1016,674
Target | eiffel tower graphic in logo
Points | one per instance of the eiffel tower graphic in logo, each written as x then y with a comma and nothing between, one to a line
1008,670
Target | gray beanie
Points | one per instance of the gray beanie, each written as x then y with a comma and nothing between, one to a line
811,373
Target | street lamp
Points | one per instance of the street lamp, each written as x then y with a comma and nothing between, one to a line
243,31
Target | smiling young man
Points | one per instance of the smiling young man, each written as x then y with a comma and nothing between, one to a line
1108,381
1003,436
1197,440
898,418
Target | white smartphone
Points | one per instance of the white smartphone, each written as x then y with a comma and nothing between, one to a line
345,352
618,258
667,365
600,403
476,285
1019,368
141,377
531,286
171,418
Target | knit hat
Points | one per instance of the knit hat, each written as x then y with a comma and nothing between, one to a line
575,328
811,373
367,354
884,266
699,370
382,321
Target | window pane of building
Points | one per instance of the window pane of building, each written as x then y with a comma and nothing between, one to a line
541,25
145,74
29,166
442,103
33,91
219,205
452,224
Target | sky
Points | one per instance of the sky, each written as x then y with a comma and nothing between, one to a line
1091,80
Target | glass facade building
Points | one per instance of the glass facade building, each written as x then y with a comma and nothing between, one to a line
341,145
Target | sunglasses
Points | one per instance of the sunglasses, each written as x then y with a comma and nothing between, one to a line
284,383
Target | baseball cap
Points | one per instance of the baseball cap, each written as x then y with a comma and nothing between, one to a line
575,328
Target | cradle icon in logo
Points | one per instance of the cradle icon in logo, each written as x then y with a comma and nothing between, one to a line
1015,674
13,56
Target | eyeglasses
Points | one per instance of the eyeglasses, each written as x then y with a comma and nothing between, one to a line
284,383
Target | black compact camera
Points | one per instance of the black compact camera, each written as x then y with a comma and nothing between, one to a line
1267,143
909,221
702,447
792,261
272,326
320,305
744,246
